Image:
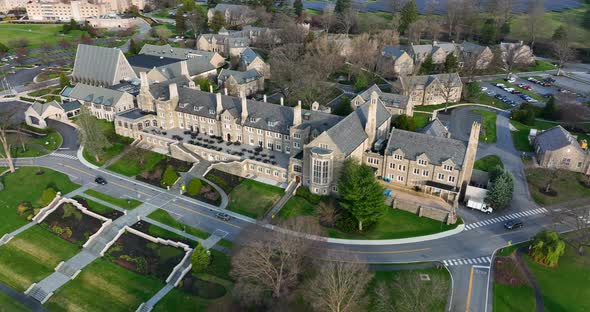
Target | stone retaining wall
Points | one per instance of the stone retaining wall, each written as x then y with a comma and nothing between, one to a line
423,211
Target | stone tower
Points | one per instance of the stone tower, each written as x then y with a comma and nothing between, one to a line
371,125
145,100
470,157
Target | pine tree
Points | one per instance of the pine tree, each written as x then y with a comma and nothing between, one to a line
489,32
500,193
63,80
560,33
298,6
341,6
451,63
409,14
427,67
91,135
550,110
360,194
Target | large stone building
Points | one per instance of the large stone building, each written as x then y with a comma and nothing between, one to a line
249,59
103,103
234,14
78,10
236,82
557,148
225,45
101,66
431,89
168,51
395,104
394,62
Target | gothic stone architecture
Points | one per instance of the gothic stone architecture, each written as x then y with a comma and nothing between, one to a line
431,89
557,148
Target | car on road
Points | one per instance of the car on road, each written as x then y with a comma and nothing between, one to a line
513,224
223,216
500,85
100,180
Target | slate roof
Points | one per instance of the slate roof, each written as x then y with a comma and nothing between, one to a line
132,114
435,128
97,95
69,106
97,63
176,53
40,108
388,99
240,76
556,138
421,82
350,133
145,62
392,51
169,67
472,48
437,149
249,55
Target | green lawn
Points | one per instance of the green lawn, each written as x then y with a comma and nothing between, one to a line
565,287
115,149
163,216
8,304
488,162
35,34
488,127
421,119
50,142
396,223
130,167
104,286
513,299
567,185
296,206
125,203
252,198
41,92
178,300
31,256
94,206
25,185
541,66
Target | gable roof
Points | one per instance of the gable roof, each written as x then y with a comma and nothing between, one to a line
421,82
240,76
556,138
40,108
388,99
249,55
437,149
98,63
176,53
96,95
392,51
169,67
435,128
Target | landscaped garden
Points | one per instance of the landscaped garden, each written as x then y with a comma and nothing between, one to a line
488,163
488,126
203,191
125,203
30,194
225,180
164,217
31,256
71,224
99,208
253,199
564,185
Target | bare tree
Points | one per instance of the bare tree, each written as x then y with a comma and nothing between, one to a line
364,53
449,87
325,53
338,286
285,62
396,5
387,37
7,122
346,20
453,15
562,50
196,22
417,295
272,260
416,30
535,19
512,55
382,298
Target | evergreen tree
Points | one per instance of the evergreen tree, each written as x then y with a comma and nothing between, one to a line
217,21
342,6
91,135
489,32
560,33
427,67
200,258
472,91
360,194
505,29
344,109
451,63
409,14
212,3
180,21
63,80
405,122
547,247
550,110
298,6
500,193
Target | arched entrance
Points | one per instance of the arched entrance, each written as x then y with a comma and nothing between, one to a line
229,137
297,179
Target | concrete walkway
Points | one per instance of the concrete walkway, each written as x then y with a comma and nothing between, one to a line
7,237
539,303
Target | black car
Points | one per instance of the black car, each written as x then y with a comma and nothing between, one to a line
100,180
223,216
513,224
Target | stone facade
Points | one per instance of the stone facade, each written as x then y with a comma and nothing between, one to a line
76,10
557,148
431,89
233,14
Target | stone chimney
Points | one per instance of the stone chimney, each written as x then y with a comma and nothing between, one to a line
219,106
244,107
264,98
144,83
173,90
282,101
296,114
371,125
184,69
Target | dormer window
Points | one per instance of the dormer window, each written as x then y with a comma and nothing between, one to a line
398,157
211,111
252,119
447,167
271,123
422,162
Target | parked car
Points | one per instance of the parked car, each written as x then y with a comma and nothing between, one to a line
100,180
509,90
500,85
511,79
223,216
483,89
549,79
513,224
547,95
515,92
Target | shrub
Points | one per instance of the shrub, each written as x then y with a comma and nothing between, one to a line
169,177
305,193
194,187
24,208
67,232
47,196
57,229
200,258
71,211
347,223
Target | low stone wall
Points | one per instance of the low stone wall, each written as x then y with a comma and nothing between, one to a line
423,211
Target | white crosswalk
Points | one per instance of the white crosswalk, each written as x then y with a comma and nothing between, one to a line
505,218
471,261
64,156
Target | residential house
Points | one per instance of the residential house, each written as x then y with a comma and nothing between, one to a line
249,59
431,89
101,66
234,14
394,62
557,148
237,82
517,53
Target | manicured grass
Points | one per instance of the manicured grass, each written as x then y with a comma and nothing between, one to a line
488,127
226,243
104,286
513,299
35,34
421,119
8,304
541,66
389,278
178,300
31,256
128,166
564,287
252,198
125,203
25,185
109,153
41,92
395,223
296,206
487,163
95,207
163,216
50,142
567,185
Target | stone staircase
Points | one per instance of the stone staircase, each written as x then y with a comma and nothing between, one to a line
101,241
282,201
38,293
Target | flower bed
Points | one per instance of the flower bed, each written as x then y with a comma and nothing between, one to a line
71,224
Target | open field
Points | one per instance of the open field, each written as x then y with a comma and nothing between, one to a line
130,167
252,198
26,185
164,217
31,256
567,185
35,34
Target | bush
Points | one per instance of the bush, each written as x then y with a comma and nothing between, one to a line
24,208
57,229
304,192
346,222
71,211
405,122
547,247
200,259
360,82
194,187
169,177
47,196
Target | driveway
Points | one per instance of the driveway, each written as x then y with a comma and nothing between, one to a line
68,133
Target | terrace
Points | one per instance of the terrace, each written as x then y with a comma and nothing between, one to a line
217,144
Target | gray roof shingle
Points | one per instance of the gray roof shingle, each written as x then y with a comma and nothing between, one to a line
389,99
97,95
438,149
435,128
240,76
176,53
556,138
97,63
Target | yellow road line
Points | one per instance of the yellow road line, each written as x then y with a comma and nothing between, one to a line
114,183
204,215
469,291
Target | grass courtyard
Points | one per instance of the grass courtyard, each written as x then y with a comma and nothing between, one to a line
487,163
163,216
26,185
125,203
31,256
128,166
253,199
488,126
568,186
36,34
